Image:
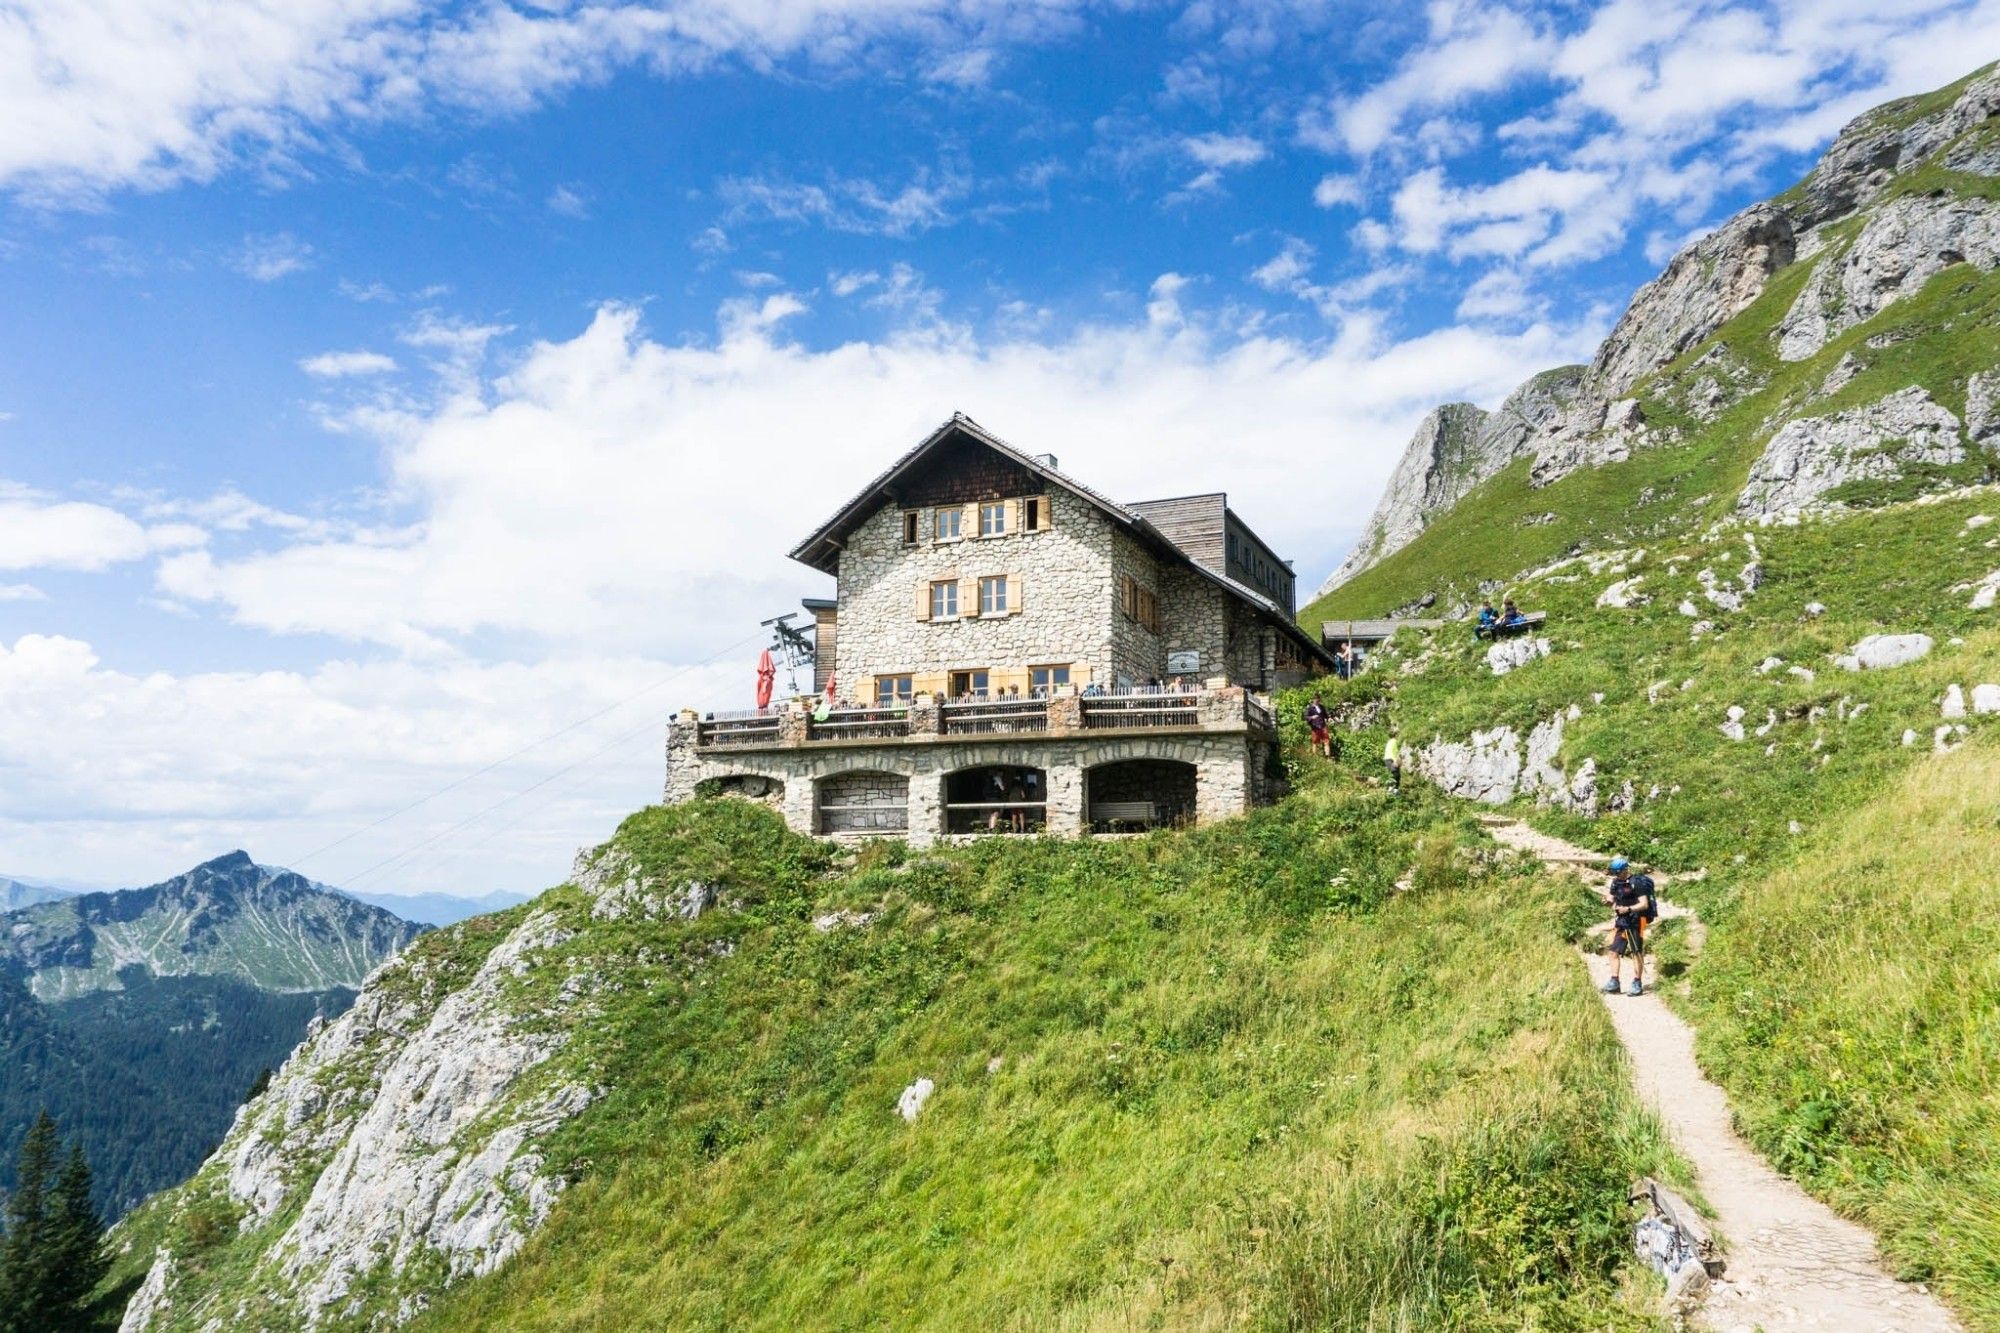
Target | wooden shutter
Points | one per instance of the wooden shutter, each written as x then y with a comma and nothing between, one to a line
1045,514
923,599
969,522
1016,596
1013,512
968,598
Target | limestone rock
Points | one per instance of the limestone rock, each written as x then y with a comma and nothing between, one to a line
1985,699
1706,284
1902,246
1982,421
1624,594
1442,462
405,1136
1485,768
1954,703
1879,652
1511,654
1810,457
911,1103
842,919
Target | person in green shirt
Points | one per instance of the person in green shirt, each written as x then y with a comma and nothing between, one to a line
1392,756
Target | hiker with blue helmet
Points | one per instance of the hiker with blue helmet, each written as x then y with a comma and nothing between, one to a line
1632,904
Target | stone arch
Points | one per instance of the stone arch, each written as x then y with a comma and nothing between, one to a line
863,801
759,787
1115,791
996,798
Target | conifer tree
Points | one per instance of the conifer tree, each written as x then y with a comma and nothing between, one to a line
25,1287
75,1252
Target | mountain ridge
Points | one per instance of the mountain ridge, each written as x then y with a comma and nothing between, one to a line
1905,191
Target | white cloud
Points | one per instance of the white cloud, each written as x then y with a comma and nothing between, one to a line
569,201
21,592
146,790
38,531
1224,151
614,490
1472,50
847,284
150,92
849,204
1286,268
270,257
339,365
1335,190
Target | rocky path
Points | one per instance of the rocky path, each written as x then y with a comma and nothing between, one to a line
1793,1262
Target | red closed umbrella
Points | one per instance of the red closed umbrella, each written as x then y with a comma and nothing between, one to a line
767,677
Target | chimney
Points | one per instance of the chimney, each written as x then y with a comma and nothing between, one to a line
1048,461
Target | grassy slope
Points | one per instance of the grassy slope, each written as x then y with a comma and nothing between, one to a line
1239,1079
1242,1079
1851,1009
1842,1003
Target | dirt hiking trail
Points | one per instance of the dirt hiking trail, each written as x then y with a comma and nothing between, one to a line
1793,1263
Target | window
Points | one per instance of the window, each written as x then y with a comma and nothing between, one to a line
944,600
946,524
993,595
1138,604
969,684
910,517
1042,679
890,690
993,519
1032,511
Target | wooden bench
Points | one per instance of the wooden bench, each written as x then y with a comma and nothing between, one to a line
1527,624
1124,812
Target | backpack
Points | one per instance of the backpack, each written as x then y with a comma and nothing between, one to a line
1644,884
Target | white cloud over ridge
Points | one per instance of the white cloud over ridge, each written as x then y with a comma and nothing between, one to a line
341,365
616,490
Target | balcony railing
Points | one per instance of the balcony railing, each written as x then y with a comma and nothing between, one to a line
929,719
1139,708
756,727
988,717
853,724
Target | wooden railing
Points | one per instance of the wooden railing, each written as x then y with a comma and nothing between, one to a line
1139,708
986,717
859,724
756,727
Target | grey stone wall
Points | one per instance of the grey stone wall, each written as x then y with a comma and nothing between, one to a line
1224,783
1063,589
864,803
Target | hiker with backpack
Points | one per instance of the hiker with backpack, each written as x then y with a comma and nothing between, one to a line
1634,905
1392,759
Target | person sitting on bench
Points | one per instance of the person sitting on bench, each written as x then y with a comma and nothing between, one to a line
1488,618
1510,617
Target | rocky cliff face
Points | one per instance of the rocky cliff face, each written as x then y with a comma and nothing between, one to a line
403,1147
1905,193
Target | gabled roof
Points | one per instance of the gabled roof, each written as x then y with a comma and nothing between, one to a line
821,550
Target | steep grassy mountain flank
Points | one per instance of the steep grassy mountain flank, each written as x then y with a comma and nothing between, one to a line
140,1019
1325,1066
1770,568
1836,346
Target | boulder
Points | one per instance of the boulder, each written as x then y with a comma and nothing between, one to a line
1879,652
1954,703
1986,699
1510,654
1982,421
911,1103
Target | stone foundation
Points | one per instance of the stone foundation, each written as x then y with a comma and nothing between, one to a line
852,790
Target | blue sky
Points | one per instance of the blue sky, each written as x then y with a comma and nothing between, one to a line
386,388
